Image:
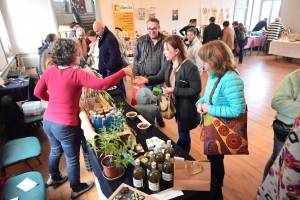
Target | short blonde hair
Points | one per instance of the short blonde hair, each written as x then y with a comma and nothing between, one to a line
219,56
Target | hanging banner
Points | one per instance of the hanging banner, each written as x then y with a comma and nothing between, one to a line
124,18
220,14
141,13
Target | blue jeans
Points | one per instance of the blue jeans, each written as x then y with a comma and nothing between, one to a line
184,140
65,139
276,148
120,84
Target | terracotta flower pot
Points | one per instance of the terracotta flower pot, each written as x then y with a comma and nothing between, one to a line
109,171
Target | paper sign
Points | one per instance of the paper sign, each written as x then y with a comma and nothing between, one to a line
168,194
27,184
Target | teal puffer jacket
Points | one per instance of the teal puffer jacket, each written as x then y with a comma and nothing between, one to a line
228,99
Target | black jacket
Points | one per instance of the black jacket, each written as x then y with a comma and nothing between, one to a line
186,92
261,24
109,52
183,31
211,32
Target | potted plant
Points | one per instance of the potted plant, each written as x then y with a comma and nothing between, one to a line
112,145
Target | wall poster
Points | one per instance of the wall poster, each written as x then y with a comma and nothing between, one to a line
141,13
152,12
221,15
124,18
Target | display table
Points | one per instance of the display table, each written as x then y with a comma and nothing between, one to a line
108,187
283,48
20,92
255,42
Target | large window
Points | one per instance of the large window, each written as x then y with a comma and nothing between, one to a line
270,9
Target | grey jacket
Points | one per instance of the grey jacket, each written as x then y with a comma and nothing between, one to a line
148,59
186,91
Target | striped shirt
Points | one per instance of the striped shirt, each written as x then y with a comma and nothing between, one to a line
274,30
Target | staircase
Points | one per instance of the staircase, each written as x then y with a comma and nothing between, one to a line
87,21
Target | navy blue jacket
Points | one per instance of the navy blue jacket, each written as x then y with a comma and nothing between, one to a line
109,52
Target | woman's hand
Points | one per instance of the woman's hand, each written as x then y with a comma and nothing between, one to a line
205,107
199,108
140,80
168,90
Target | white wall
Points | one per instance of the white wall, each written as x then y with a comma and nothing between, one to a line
186,10
290,14
27,23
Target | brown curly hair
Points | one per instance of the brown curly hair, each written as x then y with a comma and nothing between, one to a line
64,51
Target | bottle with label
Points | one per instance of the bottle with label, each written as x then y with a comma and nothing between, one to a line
107,122
163,147
170,150
138,175
151,159
99,123
160,159
167,169
153,179
289,30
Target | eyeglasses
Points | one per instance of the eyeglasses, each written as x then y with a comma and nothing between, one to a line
152,29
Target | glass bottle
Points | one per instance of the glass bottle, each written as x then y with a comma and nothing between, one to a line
160,159
167,169
151,159
170,150
153,179
138,175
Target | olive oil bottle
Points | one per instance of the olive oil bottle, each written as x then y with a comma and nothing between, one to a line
170,150
160,159
138,175
168,169
151,159
153,179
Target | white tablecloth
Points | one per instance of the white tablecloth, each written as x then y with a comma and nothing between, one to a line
287,49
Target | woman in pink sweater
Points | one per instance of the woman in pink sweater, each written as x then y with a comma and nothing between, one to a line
61,86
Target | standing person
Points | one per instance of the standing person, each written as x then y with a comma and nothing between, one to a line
273,33
183,83
286,101
212,31
46,60
94,49
61,86
79,38
110,61
237,40
49,38
149,57
228,35
192,24
244,38
261,24
73,26
228,99
193,49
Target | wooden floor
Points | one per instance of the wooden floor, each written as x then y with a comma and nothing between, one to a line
261,75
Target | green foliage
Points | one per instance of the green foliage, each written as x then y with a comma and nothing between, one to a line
111,144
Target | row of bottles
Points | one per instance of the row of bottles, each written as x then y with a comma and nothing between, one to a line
110,122
154,175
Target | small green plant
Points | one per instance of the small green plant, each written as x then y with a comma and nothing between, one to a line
113,144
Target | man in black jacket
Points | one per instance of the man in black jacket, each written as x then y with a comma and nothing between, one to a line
110,60
261,24
212,31
149,57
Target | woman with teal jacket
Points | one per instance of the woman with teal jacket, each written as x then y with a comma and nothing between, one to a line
228,99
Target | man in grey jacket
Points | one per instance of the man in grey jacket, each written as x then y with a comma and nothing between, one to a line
148,56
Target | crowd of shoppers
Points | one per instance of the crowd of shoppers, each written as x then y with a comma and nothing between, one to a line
159,61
